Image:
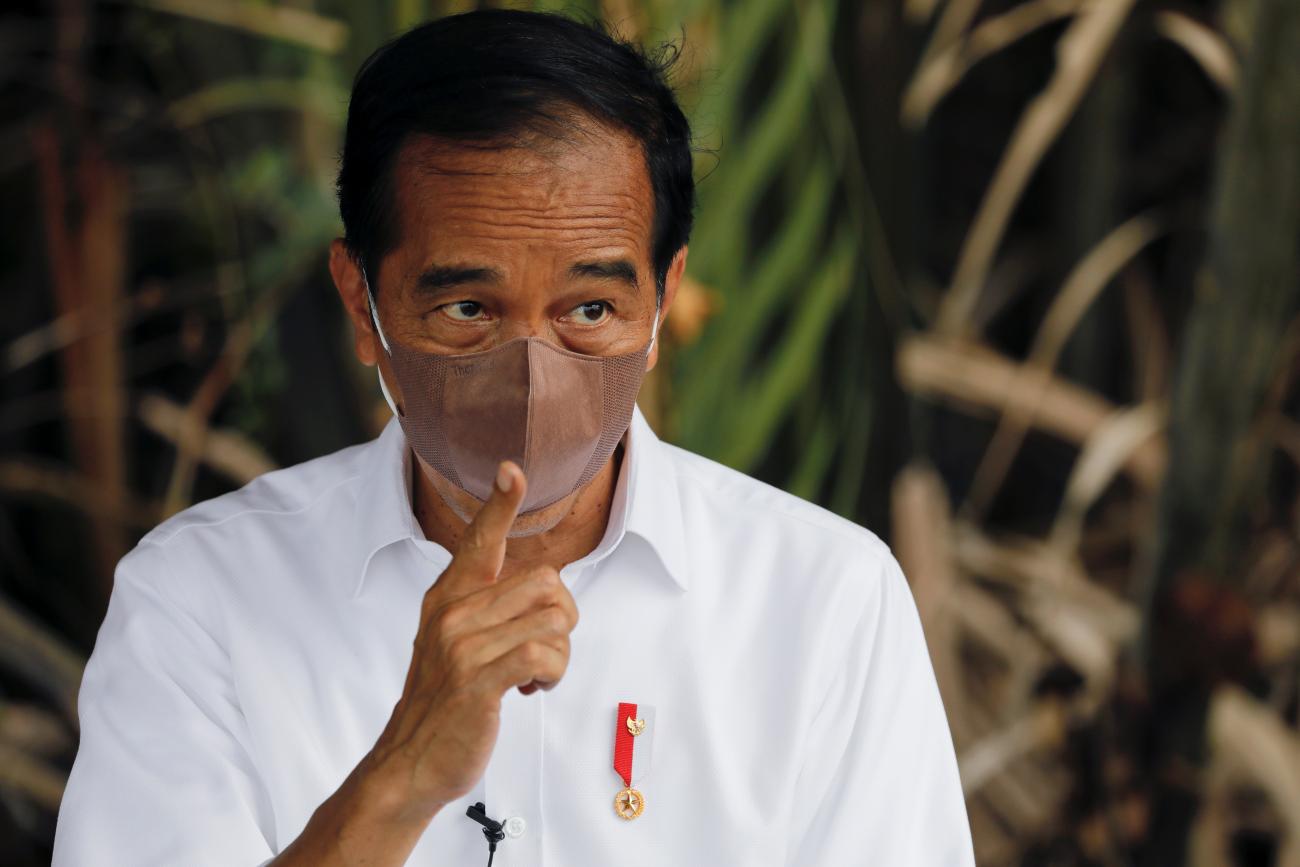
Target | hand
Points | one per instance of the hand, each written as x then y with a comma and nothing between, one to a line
478,637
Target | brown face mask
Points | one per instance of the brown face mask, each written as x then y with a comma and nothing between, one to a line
557,414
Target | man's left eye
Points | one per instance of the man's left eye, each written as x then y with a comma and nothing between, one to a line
591,312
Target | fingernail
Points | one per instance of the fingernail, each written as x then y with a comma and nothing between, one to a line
504,479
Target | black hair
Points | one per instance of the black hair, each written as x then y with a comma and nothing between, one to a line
496,76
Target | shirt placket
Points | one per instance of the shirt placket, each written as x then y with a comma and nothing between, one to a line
513,780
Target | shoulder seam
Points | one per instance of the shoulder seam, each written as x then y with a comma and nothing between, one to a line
870,536
251,511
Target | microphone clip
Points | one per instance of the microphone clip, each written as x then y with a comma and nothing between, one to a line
491,827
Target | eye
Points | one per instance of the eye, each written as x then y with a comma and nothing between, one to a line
591,312
463,311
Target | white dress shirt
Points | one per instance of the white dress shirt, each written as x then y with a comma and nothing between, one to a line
255,645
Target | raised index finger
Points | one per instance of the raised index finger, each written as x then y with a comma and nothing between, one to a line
481,550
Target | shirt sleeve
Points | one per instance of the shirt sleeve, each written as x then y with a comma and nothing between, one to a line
161,776
879,783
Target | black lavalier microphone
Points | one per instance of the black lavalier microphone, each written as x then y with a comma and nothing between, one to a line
491,827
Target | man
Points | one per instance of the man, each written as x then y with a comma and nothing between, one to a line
517,596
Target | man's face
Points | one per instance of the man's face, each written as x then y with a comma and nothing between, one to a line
552,241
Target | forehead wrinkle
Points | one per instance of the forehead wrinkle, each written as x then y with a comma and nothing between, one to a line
539,221
424,160
508,219
570,191
466,195
556,229
509,210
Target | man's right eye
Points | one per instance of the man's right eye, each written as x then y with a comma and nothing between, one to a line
464,311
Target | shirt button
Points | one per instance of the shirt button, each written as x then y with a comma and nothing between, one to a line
515,826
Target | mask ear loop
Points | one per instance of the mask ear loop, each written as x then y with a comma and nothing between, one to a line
374,317
654,330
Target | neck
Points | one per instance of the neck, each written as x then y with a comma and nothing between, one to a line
574,536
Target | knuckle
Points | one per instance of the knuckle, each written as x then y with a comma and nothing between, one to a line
567,611
473,539
555,666
531,653
556,620
546,577
449,618
552,589
460,656
456,650
455,675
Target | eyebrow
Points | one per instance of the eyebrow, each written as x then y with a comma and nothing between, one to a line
448,276
617,269
441,277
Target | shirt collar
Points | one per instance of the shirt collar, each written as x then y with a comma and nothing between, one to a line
384,512
646,501
653,506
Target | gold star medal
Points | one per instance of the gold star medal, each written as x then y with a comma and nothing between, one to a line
632,739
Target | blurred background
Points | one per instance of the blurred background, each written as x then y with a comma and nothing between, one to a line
1013,283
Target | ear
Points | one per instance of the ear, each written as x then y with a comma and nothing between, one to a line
672,280
352,289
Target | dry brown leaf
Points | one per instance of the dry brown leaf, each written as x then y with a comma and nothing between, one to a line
694,305
1208,48
229,452
974,376
1079,54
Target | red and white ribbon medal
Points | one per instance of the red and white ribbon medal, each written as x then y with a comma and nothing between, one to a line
633,737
